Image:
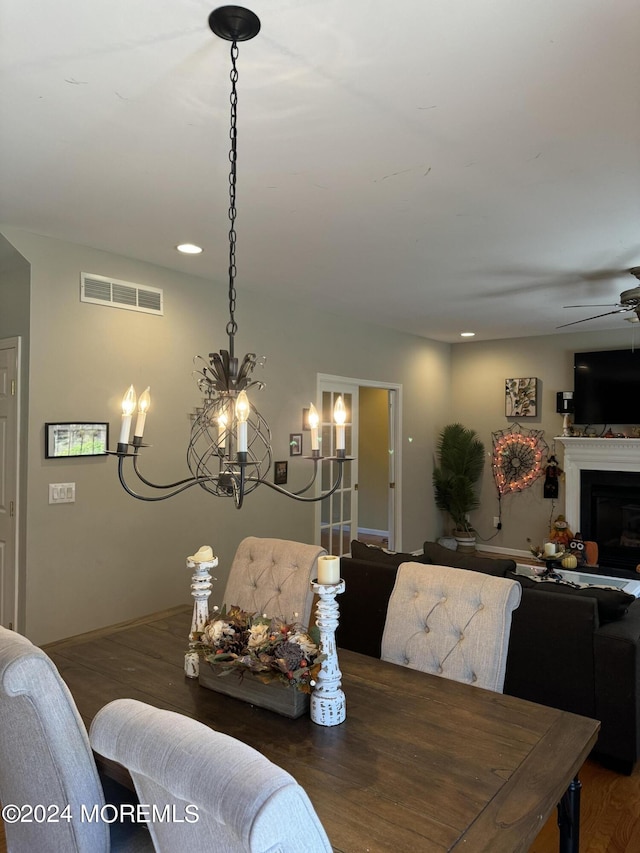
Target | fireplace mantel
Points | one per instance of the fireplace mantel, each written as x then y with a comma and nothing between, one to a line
593,454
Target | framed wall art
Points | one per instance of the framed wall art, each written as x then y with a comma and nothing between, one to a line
280,473
295,444
75,438
521,397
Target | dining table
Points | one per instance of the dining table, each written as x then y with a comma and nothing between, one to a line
421,763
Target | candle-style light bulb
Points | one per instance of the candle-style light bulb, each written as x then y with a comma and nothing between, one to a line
222,430
314,420
339,416
128,408
144,401
242,414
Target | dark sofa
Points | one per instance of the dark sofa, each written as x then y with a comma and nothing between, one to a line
578,650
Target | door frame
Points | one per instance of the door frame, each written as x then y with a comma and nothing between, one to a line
394,390
10,610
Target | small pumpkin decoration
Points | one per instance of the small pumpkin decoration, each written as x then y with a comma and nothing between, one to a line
569,561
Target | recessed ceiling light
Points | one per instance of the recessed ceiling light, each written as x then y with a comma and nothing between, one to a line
467,334
189,249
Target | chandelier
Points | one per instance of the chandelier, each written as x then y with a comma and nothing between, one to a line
229,453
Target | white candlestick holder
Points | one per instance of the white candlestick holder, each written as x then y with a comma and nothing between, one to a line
200,590
328,705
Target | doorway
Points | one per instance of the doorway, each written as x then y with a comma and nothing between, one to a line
367,503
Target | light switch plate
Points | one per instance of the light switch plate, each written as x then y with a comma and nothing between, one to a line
62,493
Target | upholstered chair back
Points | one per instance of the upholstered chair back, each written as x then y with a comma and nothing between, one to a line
46,759
451,622
220,794
272,576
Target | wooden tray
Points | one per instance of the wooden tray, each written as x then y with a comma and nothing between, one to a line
274,696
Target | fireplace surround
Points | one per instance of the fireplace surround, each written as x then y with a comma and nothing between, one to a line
602,475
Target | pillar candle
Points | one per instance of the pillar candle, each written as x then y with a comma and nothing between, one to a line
328,570
549,549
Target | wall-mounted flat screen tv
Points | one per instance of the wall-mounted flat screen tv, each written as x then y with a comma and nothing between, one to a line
606,387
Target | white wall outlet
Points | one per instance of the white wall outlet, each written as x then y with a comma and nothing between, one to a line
62,493
496,520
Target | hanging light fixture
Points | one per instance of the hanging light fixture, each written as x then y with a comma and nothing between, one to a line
229,452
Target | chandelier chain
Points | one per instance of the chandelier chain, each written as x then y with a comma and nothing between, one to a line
232,326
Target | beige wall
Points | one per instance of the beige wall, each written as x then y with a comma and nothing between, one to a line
477,387
373,459
107,557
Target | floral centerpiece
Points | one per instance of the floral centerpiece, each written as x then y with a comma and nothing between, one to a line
270,649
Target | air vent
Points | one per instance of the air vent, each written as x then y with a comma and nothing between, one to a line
100,290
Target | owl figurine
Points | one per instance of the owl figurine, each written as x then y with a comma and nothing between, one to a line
576,547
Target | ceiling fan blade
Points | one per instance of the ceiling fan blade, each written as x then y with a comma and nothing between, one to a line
597,316
593,305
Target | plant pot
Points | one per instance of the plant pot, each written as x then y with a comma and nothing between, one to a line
466,541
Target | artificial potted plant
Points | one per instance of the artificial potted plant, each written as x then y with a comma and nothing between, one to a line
460,462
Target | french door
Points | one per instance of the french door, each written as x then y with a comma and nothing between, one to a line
337,515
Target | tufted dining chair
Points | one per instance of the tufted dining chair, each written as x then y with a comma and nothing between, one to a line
272,576
220,793
451,622
46,761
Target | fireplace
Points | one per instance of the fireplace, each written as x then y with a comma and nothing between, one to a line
602,501
610,516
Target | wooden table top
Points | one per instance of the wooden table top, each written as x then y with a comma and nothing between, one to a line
420,764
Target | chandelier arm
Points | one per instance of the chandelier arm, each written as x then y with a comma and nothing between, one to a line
312,480
193,481
296,495
151,485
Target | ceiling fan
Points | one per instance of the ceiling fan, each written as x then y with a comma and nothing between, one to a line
629,301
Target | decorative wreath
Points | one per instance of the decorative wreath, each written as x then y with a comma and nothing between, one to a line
517,458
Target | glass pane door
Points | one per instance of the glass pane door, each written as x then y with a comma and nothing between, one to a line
339,512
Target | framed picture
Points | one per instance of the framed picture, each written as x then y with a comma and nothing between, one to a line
280,473
521,397
75,438
295,444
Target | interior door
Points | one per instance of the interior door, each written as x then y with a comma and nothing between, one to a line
338,514
392,508
9,359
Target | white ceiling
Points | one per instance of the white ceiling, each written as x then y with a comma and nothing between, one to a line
431,165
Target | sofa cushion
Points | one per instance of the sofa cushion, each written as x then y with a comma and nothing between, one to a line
613,604
441,556
375,554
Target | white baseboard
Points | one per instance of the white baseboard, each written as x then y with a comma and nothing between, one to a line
369,531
